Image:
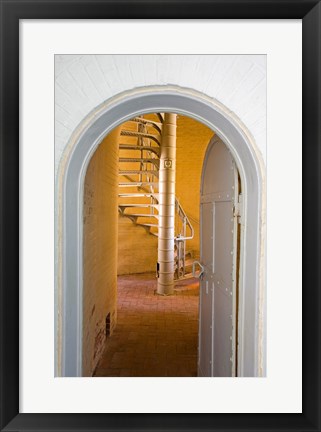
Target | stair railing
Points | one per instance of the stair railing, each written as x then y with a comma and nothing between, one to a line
181,237
185,222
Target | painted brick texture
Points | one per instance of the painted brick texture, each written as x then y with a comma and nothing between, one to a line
85,81
100,242
192,141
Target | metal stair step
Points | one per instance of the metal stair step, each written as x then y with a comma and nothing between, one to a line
137,184
128,172
142,160
143,215
138,195
138,205
154,150
148,225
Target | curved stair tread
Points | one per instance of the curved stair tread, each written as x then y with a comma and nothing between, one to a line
138,205
142,215
147,224
138,195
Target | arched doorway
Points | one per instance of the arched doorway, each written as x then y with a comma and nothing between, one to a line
72,172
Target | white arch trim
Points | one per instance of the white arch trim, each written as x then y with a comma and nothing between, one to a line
69,202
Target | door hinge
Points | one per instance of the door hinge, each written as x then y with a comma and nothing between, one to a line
238,209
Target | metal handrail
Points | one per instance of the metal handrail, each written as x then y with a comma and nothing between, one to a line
186,222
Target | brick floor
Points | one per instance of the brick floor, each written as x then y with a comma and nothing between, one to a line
156,336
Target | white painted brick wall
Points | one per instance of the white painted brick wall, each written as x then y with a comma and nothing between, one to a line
85,81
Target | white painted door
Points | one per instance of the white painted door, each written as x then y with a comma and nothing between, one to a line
218,225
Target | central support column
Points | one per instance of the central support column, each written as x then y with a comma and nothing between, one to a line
166,210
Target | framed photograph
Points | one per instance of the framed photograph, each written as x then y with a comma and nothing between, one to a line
156,161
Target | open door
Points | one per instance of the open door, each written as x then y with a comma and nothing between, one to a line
218,254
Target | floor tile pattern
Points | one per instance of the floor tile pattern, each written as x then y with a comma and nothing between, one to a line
156,336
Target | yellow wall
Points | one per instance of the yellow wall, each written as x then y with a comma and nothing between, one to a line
100,218
137,249
192,141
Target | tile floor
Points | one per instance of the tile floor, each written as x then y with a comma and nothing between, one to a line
156,336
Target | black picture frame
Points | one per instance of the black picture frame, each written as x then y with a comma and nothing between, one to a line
11,12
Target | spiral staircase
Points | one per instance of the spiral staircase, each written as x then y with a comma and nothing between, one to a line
138,186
